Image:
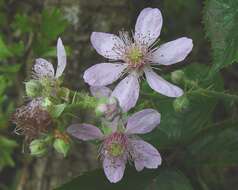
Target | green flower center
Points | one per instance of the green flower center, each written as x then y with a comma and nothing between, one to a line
135,55
116,149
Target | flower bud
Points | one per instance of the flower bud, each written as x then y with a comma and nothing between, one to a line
38,147
33,88
101,109
61,146
46,103
177,76
181,103
109,108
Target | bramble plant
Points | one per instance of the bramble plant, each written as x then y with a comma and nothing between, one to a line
148,119
50,99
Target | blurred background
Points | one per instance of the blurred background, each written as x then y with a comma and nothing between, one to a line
29,29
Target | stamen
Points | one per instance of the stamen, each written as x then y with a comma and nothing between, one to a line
115,145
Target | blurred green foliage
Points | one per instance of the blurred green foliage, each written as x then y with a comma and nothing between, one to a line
198,146
23,37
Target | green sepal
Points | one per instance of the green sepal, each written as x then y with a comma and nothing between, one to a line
38,147
61,146
56,110
33,88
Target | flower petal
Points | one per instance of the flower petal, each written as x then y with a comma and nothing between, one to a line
114,168
103,74
85,131
148,25
144,155
143,122
106,45
160,85
100,91
43,68
173,52
61,56
127,92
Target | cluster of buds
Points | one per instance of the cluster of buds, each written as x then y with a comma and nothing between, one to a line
59,141
35,120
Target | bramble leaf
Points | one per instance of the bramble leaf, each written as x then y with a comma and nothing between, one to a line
220,19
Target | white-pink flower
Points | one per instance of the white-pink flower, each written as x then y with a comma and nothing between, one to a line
43,68
135,56
119,143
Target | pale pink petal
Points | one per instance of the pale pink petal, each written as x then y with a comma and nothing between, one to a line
114,168
61,57
160,85
43,68
173,52
144,155
107,45
85,131
148,25
127,92
100,91
103,74
143,121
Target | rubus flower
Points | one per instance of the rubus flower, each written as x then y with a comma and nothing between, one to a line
120,143
135,56
44,69
32,120
46,81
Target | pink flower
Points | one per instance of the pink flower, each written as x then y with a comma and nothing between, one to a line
43,68
135,56
119,143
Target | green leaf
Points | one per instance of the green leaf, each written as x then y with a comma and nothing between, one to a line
5,142
6,149
5,52
162,179
53,23
179,127
216,146
22,23
170,180
17,49
10,68
52,26
3,84
220,19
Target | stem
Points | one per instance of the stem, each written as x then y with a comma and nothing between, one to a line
81,100
202,91
214,93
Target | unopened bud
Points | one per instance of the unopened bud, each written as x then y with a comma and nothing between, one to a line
33,88
181,103
38,147
46,103
101,109
177,76
108,108
61,146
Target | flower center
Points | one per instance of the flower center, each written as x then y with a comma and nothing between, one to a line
116,144
116,149
135,55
